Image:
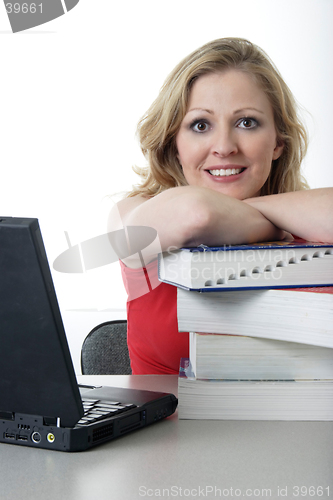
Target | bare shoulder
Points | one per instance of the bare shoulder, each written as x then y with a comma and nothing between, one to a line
169,213
122,210
141,210
127,205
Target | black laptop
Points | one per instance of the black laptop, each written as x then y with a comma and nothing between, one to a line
41,404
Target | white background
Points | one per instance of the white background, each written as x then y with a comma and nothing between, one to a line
73,90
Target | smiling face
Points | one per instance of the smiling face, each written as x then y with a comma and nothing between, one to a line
227,139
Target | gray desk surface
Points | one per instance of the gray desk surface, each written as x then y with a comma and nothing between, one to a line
179,459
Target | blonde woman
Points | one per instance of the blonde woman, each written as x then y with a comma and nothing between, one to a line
224,146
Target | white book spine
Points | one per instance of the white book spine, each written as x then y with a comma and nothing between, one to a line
303,317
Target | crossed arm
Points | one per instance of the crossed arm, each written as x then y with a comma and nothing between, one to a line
190,216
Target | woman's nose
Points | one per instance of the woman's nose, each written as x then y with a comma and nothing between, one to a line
224,143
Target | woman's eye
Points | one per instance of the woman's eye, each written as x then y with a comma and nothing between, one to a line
248,123
200,126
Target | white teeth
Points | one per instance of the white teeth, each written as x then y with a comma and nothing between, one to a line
226,172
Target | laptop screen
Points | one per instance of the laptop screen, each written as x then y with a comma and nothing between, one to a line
36,371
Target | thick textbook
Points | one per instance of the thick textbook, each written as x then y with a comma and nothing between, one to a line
252,400
280,264
303,315
234,357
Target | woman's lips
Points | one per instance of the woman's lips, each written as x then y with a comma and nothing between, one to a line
229,172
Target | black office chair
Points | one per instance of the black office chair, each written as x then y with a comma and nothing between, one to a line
105,351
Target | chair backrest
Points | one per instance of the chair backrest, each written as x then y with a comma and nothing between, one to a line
105,351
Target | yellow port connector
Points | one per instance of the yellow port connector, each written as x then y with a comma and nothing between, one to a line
50,437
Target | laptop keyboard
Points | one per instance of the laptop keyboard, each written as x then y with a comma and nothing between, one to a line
95,410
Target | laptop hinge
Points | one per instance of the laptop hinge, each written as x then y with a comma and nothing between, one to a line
7,415
52,421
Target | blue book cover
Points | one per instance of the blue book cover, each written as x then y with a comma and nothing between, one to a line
277,264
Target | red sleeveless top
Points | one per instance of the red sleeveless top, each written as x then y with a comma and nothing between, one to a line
155,345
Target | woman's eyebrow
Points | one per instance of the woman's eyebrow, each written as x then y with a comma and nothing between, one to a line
201,109
241,110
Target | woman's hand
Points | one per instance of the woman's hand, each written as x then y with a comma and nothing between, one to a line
307,214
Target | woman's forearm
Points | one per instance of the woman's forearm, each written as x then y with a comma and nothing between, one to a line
189,216
307,214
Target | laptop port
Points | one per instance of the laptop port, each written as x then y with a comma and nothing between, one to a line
36,437
20,437
50,437
9,436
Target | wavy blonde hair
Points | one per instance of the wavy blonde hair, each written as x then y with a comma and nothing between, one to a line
158,128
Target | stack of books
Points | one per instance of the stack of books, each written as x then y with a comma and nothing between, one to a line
261,330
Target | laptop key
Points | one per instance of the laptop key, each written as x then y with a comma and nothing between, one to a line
96,410
108,403
96,414
111,407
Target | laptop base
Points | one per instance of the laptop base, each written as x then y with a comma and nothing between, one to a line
38,432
